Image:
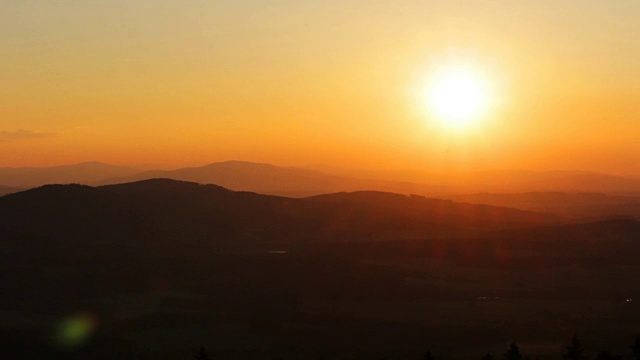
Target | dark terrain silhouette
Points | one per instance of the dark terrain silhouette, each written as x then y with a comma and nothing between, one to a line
150,266
513,352
211,215
574,350
605,355
202,354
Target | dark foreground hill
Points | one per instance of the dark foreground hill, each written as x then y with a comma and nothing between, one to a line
155,269
180,214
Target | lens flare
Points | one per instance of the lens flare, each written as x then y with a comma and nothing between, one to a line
74,331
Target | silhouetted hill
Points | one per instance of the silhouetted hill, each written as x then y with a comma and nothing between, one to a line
614,241
276,180
83,173
399,208
576,205
156,265
164,210
245,176
605,231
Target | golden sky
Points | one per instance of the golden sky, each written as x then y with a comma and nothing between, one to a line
309,82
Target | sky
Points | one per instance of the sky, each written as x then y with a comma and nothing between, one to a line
318,82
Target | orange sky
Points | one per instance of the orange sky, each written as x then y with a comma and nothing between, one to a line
309,82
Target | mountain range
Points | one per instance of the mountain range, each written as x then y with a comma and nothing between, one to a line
505,181
180,262
567,204
276,180
82,173
168,218
302,182
163,210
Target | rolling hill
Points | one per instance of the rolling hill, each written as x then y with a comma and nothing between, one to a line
277,180
302,182
180,214
184,262
574,205
83,173
505,181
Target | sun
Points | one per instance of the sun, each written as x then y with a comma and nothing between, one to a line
458,97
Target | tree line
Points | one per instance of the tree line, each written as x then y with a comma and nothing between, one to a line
572,351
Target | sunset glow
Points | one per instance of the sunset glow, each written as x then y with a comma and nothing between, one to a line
341,83
320,179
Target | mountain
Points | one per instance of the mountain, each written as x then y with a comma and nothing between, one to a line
575,205
302,182
276,180
504,181
184,264
589,182
605,242
84,173
183,215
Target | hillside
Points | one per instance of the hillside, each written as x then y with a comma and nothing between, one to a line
504,181
575,205
181,262
162,210
83,173
276,180
302,182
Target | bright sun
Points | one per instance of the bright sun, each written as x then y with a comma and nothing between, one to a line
458,97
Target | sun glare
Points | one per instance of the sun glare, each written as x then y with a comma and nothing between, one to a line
457,97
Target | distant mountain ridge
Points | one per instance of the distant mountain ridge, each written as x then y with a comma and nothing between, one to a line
302,182
575,205
276,180
506,181
84,173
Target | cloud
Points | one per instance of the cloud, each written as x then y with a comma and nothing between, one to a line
22,134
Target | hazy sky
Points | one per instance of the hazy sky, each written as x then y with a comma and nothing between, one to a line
307,82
